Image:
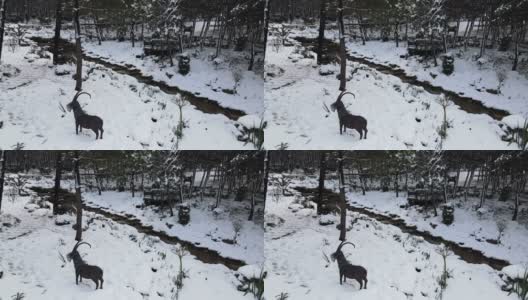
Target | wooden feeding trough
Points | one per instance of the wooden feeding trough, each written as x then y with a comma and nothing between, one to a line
417,196
160,196
160,47
424,47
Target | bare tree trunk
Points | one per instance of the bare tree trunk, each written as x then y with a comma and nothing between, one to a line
58,173
58,25
132,186
266,21
78,47
252,206
2,176
322,173
322,25
342,202
78,205
342,47
3,8
266,172
519,187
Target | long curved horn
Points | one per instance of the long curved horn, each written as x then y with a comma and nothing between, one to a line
79,94
80,243
344,93
344,243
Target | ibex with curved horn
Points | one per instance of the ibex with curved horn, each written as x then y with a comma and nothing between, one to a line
348,120
84,120
84,270
348,270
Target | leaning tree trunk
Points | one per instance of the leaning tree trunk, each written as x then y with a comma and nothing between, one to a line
58,25
322,25
342,199
2,26
342,47
58,173
322,172
78,205
78,49
2,175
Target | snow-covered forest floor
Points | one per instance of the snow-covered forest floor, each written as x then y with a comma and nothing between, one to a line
400,115
400,265
136,115
136,265
471,227
207,228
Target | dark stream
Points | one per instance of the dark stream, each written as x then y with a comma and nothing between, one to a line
467,104
203,104
467,254
203,254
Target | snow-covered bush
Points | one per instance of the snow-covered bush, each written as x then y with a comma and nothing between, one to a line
517,280
251,280
251,128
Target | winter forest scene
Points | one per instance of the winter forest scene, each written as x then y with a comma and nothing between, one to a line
439,225
135,74
398,74
131,225
264,149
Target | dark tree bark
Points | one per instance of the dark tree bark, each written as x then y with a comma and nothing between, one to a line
322,25
132,187
2,176
266,172
266,21
3,8
79,205
322,173
78,47
58,25
342,202
58,173
252,207
342,46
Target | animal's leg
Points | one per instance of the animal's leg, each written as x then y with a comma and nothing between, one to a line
96,133
366,133
76,128
366,283
340,127
102,283
80,278
76,278
96,283
102,133
360,133
340,278
360,284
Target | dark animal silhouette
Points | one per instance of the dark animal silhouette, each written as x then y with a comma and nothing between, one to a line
348,120
348,270
84,270
84,120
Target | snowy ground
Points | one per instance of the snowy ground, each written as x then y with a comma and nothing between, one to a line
204,228
205,79
135,115
470,228
400,266
471,77
135,266
399,115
